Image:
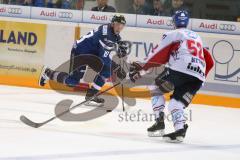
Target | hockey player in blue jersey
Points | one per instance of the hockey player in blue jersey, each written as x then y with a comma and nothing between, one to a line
99,43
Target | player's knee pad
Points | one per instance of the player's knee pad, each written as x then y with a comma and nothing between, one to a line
185,98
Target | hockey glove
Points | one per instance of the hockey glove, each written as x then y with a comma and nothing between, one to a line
124,48
134,73
116,68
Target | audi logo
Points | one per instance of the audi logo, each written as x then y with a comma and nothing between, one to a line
227,27
14,10
169,23
68,15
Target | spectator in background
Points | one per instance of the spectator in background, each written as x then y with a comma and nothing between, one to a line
27,2
103,6
238,19
77,4
50,4
138,7
3,2
176,5
15,2
157,8
66,4
39,3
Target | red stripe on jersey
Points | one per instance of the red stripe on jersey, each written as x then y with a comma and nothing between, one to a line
209,61
162,56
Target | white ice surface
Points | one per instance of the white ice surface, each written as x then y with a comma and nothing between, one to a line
214,132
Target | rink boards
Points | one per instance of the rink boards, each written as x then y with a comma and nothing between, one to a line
28,45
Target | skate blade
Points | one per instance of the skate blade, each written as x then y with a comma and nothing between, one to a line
158,133
177,140
93,104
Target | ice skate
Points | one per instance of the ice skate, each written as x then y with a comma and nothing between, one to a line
157,129
43,79
96,101
177,136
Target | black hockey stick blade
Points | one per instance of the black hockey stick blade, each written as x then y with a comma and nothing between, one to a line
29,122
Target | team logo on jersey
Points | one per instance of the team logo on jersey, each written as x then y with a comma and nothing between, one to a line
191,34
183,15
195,69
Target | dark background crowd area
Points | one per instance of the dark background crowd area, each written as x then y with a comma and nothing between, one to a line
204,9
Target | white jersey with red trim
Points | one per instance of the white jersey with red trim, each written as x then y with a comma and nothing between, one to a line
182,49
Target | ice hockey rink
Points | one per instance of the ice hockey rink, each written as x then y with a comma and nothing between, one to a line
213,132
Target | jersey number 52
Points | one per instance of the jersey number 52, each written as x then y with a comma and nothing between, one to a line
195,48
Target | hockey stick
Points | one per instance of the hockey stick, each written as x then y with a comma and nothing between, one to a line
30,123
122,87
123,106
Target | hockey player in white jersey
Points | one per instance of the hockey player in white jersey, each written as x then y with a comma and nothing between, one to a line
188,64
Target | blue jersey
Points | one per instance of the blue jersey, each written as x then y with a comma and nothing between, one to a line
98,42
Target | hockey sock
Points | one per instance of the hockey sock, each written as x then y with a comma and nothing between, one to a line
98,82
158,100
158,104
176,108
57,76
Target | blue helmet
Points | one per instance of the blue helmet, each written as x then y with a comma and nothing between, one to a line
181,18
